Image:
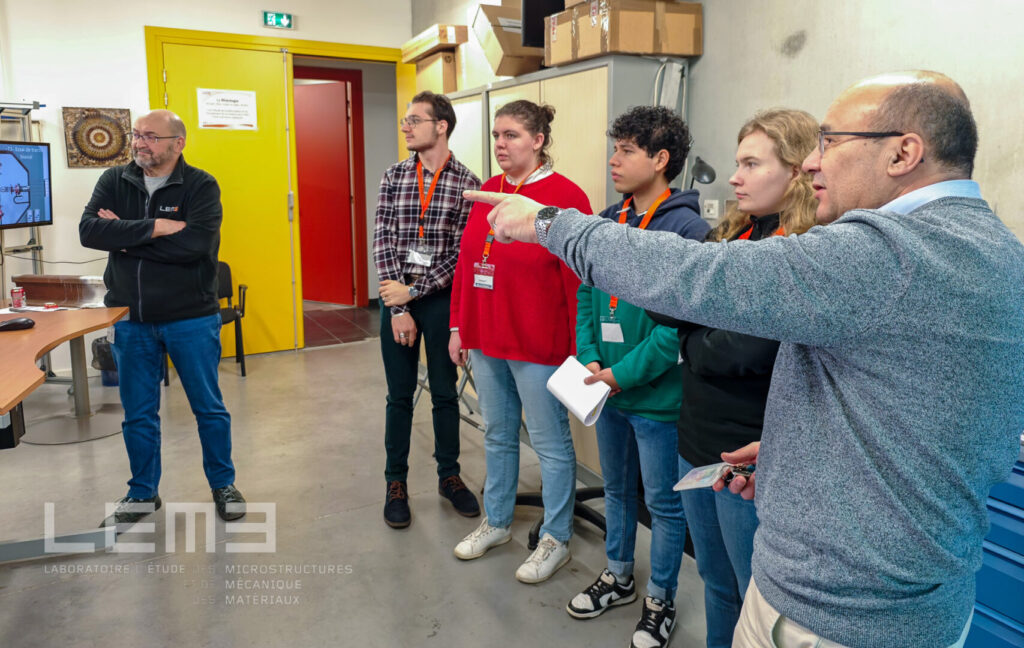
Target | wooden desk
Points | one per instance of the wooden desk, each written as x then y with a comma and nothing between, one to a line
21,349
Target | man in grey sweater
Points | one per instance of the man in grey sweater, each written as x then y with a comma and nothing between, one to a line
898,393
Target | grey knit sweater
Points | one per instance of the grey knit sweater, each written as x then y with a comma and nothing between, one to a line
896,402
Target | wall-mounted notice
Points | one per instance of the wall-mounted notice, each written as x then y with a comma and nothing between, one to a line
227,109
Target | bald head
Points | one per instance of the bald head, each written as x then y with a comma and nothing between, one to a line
166,118
927,103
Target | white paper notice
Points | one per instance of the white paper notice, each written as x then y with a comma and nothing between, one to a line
227,109
584,401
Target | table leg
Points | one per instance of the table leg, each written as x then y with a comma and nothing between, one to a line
79,377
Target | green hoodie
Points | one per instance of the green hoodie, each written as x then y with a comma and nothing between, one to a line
646,364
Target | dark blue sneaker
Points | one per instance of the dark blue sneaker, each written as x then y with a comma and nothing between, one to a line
396,508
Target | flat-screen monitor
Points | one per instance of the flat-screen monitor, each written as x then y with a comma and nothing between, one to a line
26,198
534,12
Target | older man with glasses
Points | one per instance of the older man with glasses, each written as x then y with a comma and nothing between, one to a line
159,218
898,394
420,217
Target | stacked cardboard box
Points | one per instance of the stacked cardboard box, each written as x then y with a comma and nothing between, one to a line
499,30
598,27
433,51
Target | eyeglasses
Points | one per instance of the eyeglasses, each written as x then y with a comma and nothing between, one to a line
150,139
823,135
413,122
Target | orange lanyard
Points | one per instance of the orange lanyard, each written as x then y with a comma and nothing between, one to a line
746,235
490,233
644,222
425,199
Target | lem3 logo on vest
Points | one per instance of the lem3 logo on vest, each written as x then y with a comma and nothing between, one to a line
167,209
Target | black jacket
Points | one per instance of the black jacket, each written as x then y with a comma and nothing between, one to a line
726,376
166,278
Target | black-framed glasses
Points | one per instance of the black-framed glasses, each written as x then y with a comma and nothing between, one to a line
413,121
824,134
150,139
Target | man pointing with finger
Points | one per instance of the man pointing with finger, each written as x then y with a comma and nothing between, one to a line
897,399
159,218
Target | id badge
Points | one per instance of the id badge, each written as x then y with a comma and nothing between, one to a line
611,330
419,256
483,275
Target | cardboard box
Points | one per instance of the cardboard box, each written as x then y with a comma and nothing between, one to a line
434,39
639,27
437,73
499,30
560,43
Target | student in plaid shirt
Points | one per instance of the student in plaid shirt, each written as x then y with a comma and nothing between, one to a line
420,217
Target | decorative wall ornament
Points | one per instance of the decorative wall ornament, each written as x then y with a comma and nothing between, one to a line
97,137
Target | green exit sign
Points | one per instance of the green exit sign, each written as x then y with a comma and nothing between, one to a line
278,20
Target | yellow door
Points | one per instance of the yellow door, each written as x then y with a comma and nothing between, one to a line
254,170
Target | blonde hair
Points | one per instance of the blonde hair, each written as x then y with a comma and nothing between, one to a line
795,135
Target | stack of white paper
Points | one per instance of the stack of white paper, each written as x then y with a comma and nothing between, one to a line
584,401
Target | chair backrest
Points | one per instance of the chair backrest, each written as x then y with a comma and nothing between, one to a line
224,288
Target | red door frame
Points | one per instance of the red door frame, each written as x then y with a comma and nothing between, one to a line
355,79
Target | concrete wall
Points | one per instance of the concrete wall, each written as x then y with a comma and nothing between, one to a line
802,53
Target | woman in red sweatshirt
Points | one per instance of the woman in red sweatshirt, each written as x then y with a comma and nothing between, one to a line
512,313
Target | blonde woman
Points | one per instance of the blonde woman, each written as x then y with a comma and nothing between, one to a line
726,375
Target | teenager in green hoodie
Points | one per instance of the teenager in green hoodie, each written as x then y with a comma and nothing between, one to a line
638,359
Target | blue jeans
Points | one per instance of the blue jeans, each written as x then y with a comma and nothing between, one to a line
194,347
504,386
722,527
633,447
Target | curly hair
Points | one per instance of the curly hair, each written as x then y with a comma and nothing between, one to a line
794,134
654,128
535,119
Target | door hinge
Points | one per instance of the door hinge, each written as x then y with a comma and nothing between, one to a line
291,206
165,100
165,76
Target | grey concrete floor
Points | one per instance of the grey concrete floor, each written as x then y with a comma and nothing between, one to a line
308,440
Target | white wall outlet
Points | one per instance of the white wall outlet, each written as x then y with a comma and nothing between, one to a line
710,210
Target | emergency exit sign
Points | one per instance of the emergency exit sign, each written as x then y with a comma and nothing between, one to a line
278,20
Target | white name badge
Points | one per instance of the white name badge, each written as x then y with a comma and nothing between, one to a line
611,330
419,257
483,275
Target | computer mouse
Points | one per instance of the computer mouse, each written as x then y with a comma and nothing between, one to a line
17,324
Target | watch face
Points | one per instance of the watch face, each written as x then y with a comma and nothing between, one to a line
547,213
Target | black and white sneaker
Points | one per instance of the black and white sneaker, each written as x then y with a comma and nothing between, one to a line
656,624
606,592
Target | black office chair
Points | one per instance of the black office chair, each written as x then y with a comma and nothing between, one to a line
232,313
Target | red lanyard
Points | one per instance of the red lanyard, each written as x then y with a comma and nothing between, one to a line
425,199
644,222
746,235
490,233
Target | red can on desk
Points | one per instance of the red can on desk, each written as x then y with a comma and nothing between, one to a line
17,298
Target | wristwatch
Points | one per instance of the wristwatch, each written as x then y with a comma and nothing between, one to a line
413,292
544,218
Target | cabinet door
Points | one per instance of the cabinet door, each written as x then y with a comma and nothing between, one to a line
497,99
579,143
469,142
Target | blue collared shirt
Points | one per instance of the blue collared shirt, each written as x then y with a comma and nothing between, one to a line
950,188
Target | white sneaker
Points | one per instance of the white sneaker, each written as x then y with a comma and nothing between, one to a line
477,543
545,560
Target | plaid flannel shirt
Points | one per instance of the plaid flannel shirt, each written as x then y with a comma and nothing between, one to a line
396,230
